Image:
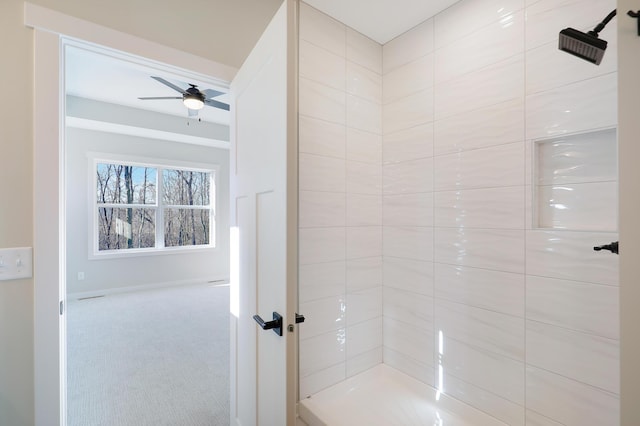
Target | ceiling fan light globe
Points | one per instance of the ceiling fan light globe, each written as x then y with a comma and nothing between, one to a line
193,102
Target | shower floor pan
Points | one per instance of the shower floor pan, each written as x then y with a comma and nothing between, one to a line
386,397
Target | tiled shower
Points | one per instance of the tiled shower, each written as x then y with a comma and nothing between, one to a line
453,184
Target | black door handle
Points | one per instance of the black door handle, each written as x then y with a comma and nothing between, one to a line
613,247
275,324
299,318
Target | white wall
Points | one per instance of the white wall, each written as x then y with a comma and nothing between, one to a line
116,274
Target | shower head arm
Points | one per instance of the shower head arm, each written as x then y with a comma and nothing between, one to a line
602,24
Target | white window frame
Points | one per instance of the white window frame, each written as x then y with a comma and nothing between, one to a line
160,164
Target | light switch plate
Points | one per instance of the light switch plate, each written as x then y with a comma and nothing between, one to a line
16,263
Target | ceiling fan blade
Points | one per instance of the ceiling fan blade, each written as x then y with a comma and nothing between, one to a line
167,83
216,104
210,93
161,97
192,112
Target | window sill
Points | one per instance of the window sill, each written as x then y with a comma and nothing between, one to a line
119,254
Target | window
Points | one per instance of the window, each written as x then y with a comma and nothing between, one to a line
146,207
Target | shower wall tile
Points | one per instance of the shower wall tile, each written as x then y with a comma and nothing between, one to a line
570,402
476,396
417,369
408,79
364,337
493,125
363,273
493,43
318,173
409,176
364,361
364,115
321,137
408,242
322,351
364,178
409,144
487,330
318,245
322,102
589,308
407,274
408,47
494,84
321,280
364,210
318,209
495,249
501,208
364,241
364,51
323,316
570,255
364,146
479,368
364,305
409,307
408,209
364,83
410,111
590,359
409,340
322,379
491,290
322,66
586,105
535,419
466,17
322,30
481,168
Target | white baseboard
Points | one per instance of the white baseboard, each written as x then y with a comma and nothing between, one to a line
144,287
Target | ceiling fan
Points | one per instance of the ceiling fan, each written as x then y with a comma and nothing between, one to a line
193,98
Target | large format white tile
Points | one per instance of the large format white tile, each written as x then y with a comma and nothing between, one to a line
364,337
488,45
408,47
409,307
494,84
364,210
322,66
323,316
407,112
409,78
321,280
409,242
364,83
481,208
535,419
569,402
361,362
407,274
322,30
364,305
364,114
319,173
321,380
494,166
408,209
466,17
493,290
409,144
321,137
582,206
318,245
408,176
364,241
570,255
364,178
491,331
317,209
586,105
413,342
493,125
364,51
323,102
495,249
418,369
495,373
364,146
590,308
364,273
322,351
583,357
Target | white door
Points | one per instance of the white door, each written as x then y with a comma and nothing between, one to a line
264,228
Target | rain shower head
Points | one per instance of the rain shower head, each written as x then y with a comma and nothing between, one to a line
585,45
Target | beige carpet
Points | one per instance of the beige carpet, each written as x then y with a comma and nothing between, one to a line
156,358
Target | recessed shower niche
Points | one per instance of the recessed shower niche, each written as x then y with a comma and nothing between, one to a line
576,182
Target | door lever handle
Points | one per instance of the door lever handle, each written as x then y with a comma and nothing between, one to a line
275,324
613,247
299,318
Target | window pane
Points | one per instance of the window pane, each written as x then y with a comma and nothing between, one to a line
186,227
119,183
186,188
125,228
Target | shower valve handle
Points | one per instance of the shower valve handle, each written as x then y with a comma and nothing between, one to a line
613,247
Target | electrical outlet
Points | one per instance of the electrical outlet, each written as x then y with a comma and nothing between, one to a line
80,276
